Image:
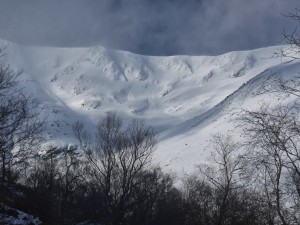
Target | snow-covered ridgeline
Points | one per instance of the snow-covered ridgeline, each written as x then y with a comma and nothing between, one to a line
184,97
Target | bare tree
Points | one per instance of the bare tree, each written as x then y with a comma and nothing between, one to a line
70,178
292,38
223,173
200,201
117,160
278,82
20,124
8,77
273,136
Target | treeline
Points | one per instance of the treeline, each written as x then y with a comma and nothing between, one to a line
109,178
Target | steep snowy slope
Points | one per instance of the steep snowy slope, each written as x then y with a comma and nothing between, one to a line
183,97
183,152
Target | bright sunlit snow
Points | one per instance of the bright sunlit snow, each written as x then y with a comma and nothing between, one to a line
186,98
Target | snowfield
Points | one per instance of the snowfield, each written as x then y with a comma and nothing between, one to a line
186,98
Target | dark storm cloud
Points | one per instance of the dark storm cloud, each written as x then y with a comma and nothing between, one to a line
158,27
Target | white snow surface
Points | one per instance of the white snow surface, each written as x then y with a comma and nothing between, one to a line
186,98
17,217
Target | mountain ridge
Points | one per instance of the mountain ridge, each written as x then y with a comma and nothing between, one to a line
173,93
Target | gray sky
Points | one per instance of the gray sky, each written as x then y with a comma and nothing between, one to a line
151,27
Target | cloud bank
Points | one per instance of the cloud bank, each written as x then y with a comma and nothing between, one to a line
151,27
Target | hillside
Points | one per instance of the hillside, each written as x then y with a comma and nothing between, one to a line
186,98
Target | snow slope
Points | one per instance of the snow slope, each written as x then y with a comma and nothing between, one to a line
186,98
11,216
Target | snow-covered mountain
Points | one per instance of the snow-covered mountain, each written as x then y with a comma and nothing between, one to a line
186,98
